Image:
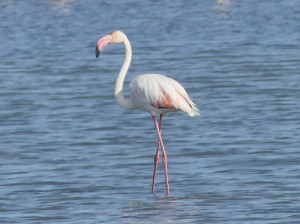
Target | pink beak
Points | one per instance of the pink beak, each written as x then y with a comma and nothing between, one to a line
101,43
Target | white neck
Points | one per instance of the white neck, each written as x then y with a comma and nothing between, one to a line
125,103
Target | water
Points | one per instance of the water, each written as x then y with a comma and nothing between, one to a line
70,154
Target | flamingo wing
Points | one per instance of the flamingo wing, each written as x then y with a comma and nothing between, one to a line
160,94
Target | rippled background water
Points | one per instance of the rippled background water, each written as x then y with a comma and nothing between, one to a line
70,154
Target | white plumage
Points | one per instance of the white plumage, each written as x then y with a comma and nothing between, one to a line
160,94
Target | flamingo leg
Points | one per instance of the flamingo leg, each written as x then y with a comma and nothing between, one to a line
156,157
165,161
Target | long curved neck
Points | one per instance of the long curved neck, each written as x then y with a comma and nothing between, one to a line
125,103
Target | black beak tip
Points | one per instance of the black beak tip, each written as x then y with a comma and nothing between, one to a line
97,52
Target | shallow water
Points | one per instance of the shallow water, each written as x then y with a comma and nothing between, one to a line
70,154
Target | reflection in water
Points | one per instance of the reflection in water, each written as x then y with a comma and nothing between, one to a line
62,3
222,5
58,3
6,2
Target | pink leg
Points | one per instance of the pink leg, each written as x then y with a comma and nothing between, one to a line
156,157
164,154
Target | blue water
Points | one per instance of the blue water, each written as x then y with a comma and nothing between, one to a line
70,154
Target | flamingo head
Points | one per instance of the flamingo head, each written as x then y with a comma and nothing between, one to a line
115,37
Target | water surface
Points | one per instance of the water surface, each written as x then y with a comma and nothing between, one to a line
70,154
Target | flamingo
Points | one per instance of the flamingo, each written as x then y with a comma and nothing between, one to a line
154,93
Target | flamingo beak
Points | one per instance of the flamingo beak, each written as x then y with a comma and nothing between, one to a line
101,43
97,52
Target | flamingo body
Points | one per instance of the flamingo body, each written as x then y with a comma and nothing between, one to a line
154,93
160,94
